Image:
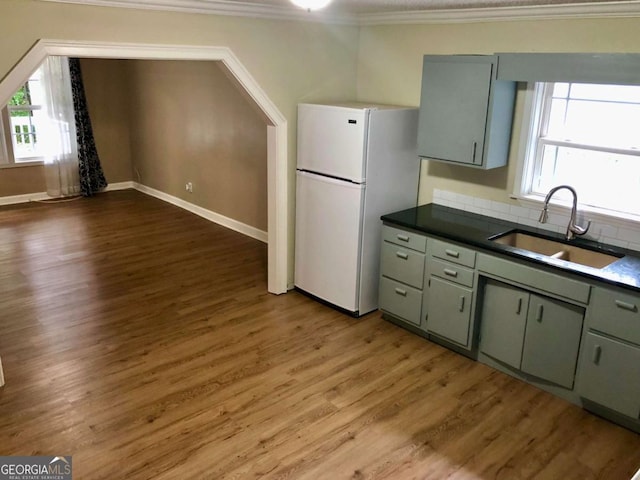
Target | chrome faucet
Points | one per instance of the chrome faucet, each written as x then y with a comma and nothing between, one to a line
572,228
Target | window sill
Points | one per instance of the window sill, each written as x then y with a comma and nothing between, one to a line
33,163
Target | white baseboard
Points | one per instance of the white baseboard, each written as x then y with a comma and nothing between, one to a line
214,217
26,198
38,196
120,186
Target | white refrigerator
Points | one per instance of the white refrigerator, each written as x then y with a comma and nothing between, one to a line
356,162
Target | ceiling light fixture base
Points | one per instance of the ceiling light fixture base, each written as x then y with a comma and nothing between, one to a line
310,5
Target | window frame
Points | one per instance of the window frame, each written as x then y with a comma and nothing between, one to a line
529,164
7,152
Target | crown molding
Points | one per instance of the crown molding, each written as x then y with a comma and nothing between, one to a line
537,12
246,9
221,7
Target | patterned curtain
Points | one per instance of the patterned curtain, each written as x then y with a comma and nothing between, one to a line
91,175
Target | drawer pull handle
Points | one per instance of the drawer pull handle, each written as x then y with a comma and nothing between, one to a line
597,351
539,313
473,152
402,255
461,303
452,253
519,306
626,306
401,292
451,273
403,238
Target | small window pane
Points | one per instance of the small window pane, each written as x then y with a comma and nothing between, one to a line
607,93
561,90
22,97
25,134
556,128
602,123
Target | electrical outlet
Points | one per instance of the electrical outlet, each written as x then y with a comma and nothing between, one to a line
189,187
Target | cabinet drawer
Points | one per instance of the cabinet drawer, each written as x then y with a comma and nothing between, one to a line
535,278
407,239
402,264
400,300
453,253
615,313
449,271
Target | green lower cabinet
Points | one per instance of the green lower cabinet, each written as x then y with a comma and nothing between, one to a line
537,335
610,374
504,319
449,314
552,340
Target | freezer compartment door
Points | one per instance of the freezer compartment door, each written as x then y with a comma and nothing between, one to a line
332,141
328,236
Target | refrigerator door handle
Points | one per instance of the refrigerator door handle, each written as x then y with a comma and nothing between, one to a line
328,179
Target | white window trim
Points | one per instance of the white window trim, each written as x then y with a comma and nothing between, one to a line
525,171
4,153
7,157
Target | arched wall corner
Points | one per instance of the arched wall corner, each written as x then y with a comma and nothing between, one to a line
277,197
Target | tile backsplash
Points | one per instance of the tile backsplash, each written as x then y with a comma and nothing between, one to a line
610,234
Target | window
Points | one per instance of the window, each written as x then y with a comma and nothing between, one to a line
21,121
586,136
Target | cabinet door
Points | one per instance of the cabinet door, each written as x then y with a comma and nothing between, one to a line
503,320
453,107
610,374
449,313
552,340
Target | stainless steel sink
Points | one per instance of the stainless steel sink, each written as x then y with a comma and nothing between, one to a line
555,249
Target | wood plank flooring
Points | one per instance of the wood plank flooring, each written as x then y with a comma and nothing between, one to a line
140,339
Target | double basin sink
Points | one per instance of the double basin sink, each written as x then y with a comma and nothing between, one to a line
555,249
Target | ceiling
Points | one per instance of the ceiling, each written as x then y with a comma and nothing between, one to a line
390,11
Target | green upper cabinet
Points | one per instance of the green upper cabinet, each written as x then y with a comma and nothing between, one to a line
465,112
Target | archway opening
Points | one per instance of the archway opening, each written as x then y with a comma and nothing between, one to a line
277,199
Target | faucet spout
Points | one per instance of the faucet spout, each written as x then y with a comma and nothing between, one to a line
544,215
573,228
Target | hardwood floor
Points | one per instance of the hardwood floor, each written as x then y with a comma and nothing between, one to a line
140,339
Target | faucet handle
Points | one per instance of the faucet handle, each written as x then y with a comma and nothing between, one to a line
578,230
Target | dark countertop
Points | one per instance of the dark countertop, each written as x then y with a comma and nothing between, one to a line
475,230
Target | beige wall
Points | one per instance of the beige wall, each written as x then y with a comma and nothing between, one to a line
105,84
390,67
21,180
191,124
